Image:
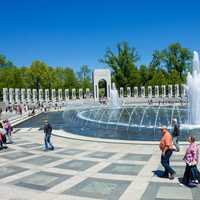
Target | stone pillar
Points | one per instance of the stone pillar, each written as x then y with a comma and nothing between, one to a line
23,95
128,91
60,98
17,96
34,95
29,100
73,93
142,90
176,90
170,91
66,94
53,95
87,93
149,91
11,95
135,91
41,95
121,92
183,90
5,96
80,93
163,91
156,91
46,91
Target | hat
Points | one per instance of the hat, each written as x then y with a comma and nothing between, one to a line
163,128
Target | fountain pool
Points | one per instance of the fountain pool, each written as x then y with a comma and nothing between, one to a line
135,122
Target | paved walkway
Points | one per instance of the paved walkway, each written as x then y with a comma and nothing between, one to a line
81,170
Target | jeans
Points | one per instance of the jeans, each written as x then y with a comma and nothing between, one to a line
165,162
47,142
8,136
191,173
176,144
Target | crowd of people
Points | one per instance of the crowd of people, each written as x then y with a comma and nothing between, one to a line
169,143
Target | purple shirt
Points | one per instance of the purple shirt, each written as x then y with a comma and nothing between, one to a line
192,153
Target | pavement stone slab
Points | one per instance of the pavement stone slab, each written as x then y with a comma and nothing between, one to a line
99,188
71,152
122,169
41,180
41,160
78,165
100,154
10,170
17,155
170,191
136,157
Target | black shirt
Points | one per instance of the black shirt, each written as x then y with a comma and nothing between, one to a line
47,129
176,131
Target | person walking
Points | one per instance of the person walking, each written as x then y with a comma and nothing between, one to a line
47,137
8,128
191,158
176,134
166,147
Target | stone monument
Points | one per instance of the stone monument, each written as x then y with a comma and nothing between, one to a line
98,75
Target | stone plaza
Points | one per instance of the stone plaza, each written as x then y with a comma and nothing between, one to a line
86,170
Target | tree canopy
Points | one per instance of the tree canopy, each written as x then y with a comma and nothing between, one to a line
167,66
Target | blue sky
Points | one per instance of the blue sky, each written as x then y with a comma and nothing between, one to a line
76,32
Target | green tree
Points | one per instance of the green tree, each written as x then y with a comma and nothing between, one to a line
84,77
123,64
177,58
144,78
38,75
2,60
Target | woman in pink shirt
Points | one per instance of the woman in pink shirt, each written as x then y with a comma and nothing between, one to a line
191,158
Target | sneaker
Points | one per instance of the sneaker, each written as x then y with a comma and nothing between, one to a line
195,182
171,176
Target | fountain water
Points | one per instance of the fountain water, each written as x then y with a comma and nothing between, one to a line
114,97
193,87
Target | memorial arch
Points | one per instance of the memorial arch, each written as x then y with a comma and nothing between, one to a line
98,76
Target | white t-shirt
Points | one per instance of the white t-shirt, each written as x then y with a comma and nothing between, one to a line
2,130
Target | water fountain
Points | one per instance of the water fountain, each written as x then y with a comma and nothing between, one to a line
193,87
114,97
141,122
